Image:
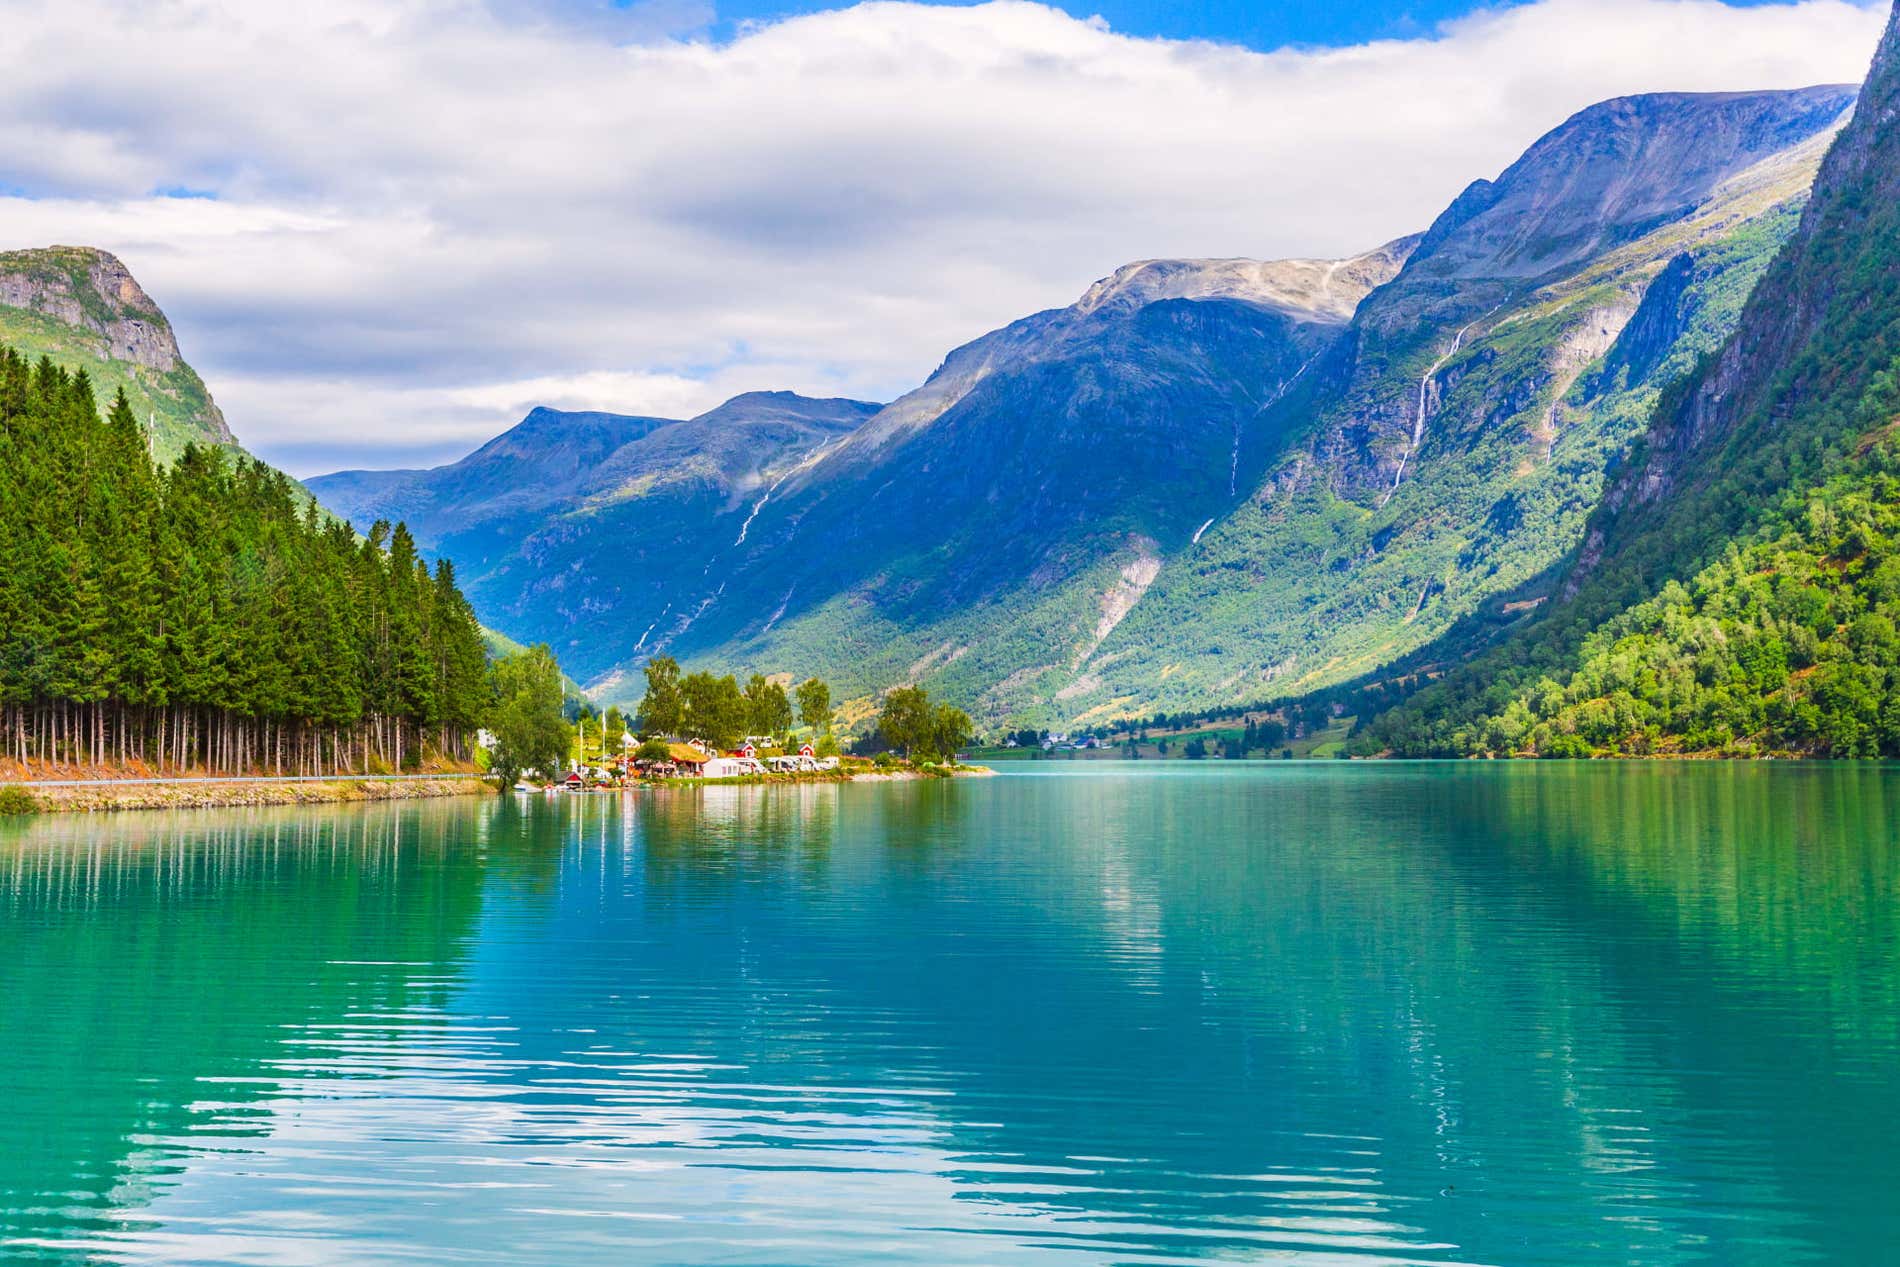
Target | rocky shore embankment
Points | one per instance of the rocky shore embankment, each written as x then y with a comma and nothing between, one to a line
108,797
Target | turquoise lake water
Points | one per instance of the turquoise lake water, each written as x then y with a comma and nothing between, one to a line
1186,1013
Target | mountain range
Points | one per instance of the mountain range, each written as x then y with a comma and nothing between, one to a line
1205,482
1458,461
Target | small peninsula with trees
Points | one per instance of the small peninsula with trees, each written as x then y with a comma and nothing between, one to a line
701,727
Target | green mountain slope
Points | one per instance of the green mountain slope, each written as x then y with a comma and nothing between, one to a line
986,532
1737,587
81,307
1456,449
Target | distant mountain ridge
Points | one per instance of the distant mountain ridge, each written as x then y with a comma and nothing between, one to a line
556,458
546,521
851,506
1207,481
1613,173
549,454
82,307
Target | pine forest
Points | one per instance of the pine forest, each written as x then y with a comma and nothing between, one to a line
207,616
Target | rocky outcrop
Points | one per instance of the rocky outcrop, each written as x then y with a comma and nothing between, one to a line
1613,173
83,307
1659,321
91,290
1311,290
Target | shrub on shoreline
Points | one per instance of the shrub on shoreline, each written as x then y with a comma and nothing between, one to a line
16,802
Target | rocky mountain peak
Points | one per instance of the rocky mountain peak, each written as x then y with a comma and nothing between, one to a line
92,290
1314,290
781,406
1614,172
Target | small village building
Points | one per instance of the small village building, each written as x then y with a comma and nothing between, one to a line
748,750
690,759
806,750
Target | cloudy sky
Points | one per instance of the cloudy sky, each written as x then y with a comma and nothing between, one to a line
386,228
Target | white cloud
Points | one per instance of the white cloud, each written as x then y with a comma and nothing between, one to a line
426,211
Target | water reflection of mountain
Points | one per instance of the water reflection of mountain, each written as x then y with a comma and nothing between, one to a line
1758,911
157,970
1427,1014
1208,1014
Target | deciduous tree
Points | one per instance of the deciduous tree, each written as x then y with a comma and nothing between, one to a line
814,705
530,732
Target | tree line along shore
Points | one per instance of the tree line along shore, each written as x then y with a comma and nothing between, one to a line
207,616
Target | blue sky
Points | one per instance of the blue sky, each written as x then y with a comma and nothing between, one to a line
1258,24
386,229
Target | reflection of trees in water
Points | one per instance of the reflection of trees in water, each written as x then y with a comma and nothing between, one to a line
1155,1000
725,834
1757,911
1189,1014
1665,992
1218,975
153,968
1789,873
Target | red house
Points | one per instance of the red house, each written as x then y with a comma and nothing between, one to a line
745,750
806,750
